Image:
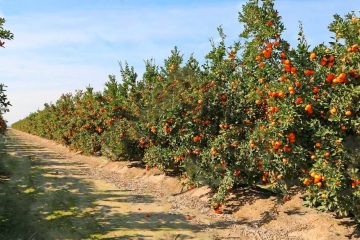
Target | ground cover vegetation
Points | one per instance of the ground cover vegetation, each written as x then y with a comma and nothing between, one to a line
256,113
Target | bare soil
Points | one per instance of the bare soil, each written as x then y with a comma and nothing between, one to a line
115,200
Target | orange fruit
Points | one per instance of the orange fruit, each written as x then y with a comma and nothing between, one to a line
348,113
266,53
330,77
269,23
312,56
299,100
276,144
309,72
309,109
213,151
293,70
153,129
306,181
261,80
342,76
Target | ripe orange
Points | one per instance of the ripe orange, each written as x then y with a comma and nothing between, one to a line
333,110
309,72
348,113
213,151
153,129
287,68
317,178
306,181
292,137
315,89
330,77
342,76
266,53
312,56
309,109
299,100
276,144
269,23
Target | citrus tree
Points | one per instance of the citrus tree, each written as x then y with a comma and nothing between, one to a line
4,103
259,112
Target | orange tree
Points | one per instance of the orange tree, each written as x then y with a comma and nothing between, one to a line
4,103
90,122
256,113
307,105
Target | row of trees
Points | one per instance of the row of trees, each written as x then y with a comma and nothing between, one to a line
258,112
4,103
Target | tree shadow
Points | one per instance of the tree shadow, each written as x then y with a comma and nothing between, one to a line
44,200
352,224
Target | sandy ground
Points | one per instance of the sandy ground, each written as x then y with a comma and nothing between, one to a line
132,203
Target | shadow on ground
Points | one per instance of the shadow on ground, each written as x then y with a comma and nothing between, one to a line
44,197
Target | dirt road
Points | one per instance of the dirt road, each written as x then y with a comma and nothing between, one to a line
47,192
44,196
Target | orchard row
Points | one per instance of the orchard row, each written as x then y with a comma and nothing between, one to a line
258,112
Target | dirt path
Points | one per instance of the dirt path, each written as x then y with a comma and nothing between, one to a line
48,192
45,196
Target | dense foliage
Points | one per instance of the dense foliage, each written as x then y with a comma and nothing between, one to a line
4,103
258,112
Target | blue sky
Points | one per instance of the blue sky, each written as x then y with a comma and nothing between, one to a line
61,46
